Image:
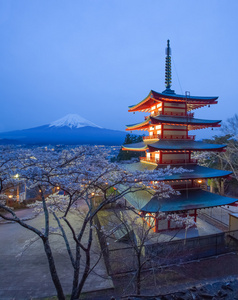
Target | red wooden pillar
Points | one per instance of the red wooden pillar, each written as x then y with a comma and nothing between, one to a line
168,224
156,229
195,216
149,219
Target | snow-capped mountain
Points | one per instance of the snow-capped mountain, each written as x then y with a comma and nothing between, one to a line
69,130
73,120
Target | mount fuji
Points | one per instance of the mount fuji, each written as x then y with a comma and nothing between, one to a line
69,130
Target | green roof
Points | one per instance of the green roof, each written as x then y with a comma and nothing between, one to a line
163,144
182,120
194,171
139,124
174,120
184,145
172,95
136,146
197,172
181,97
190,199
149,95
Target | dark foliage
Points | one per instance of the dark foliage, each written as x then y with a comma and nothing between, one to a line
127,155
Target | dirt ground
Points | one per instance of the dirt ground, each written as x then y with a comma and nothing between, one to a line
212,272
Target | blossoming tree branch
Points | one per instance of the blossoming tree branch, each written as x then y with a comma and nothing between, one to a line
81,173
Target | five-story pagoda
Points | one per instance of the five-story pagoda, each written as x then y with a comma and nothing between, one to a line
168,143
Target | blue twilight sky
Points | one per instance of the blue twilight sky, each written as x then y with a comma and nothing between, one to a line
96,57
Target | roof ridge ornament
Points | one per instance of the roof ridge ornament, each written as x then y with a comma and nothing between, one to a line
168,72
168,76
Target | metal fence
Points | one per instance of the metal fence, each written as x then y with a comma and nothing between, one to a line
219,214
124,260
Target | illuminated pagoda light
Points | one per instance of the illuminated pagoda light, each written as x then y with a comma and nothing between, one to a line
168,143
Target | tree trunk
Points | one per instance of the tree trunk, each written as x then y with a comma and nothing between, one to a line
87,263
76,273
53,272
85,274
138,276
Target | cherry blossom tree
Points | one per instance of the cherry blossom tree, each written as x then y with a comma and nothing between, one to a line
81,173
182,221
125,225
227,160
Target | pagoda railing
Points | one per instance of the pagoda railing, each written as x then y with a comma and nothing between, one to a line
169,161
151,160
179,161
153,136
177,114
179,137
190,115
171,113
170,137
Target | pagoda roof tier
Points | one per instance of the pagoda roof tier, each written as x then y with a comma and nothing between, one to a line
193,123
141,146
139,126
198,172
194,171
183,121
168,145
187,200
193,102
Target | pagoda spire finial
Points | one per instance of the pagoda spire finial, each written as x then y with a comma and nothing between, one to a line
168,75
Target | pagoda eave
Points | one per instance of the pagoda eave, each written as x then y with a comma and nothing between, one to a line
192,104
141,146
174,120
193,172
187,200
133,149
143,108
193,127
196,106
153,149
184,98
139,126
144,127
174,145
143,105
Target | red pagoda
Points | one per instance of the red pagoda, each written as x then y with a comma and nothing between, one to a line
169,143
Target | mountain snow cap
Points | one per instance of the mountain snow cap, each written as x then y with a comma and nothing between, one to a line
73,121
